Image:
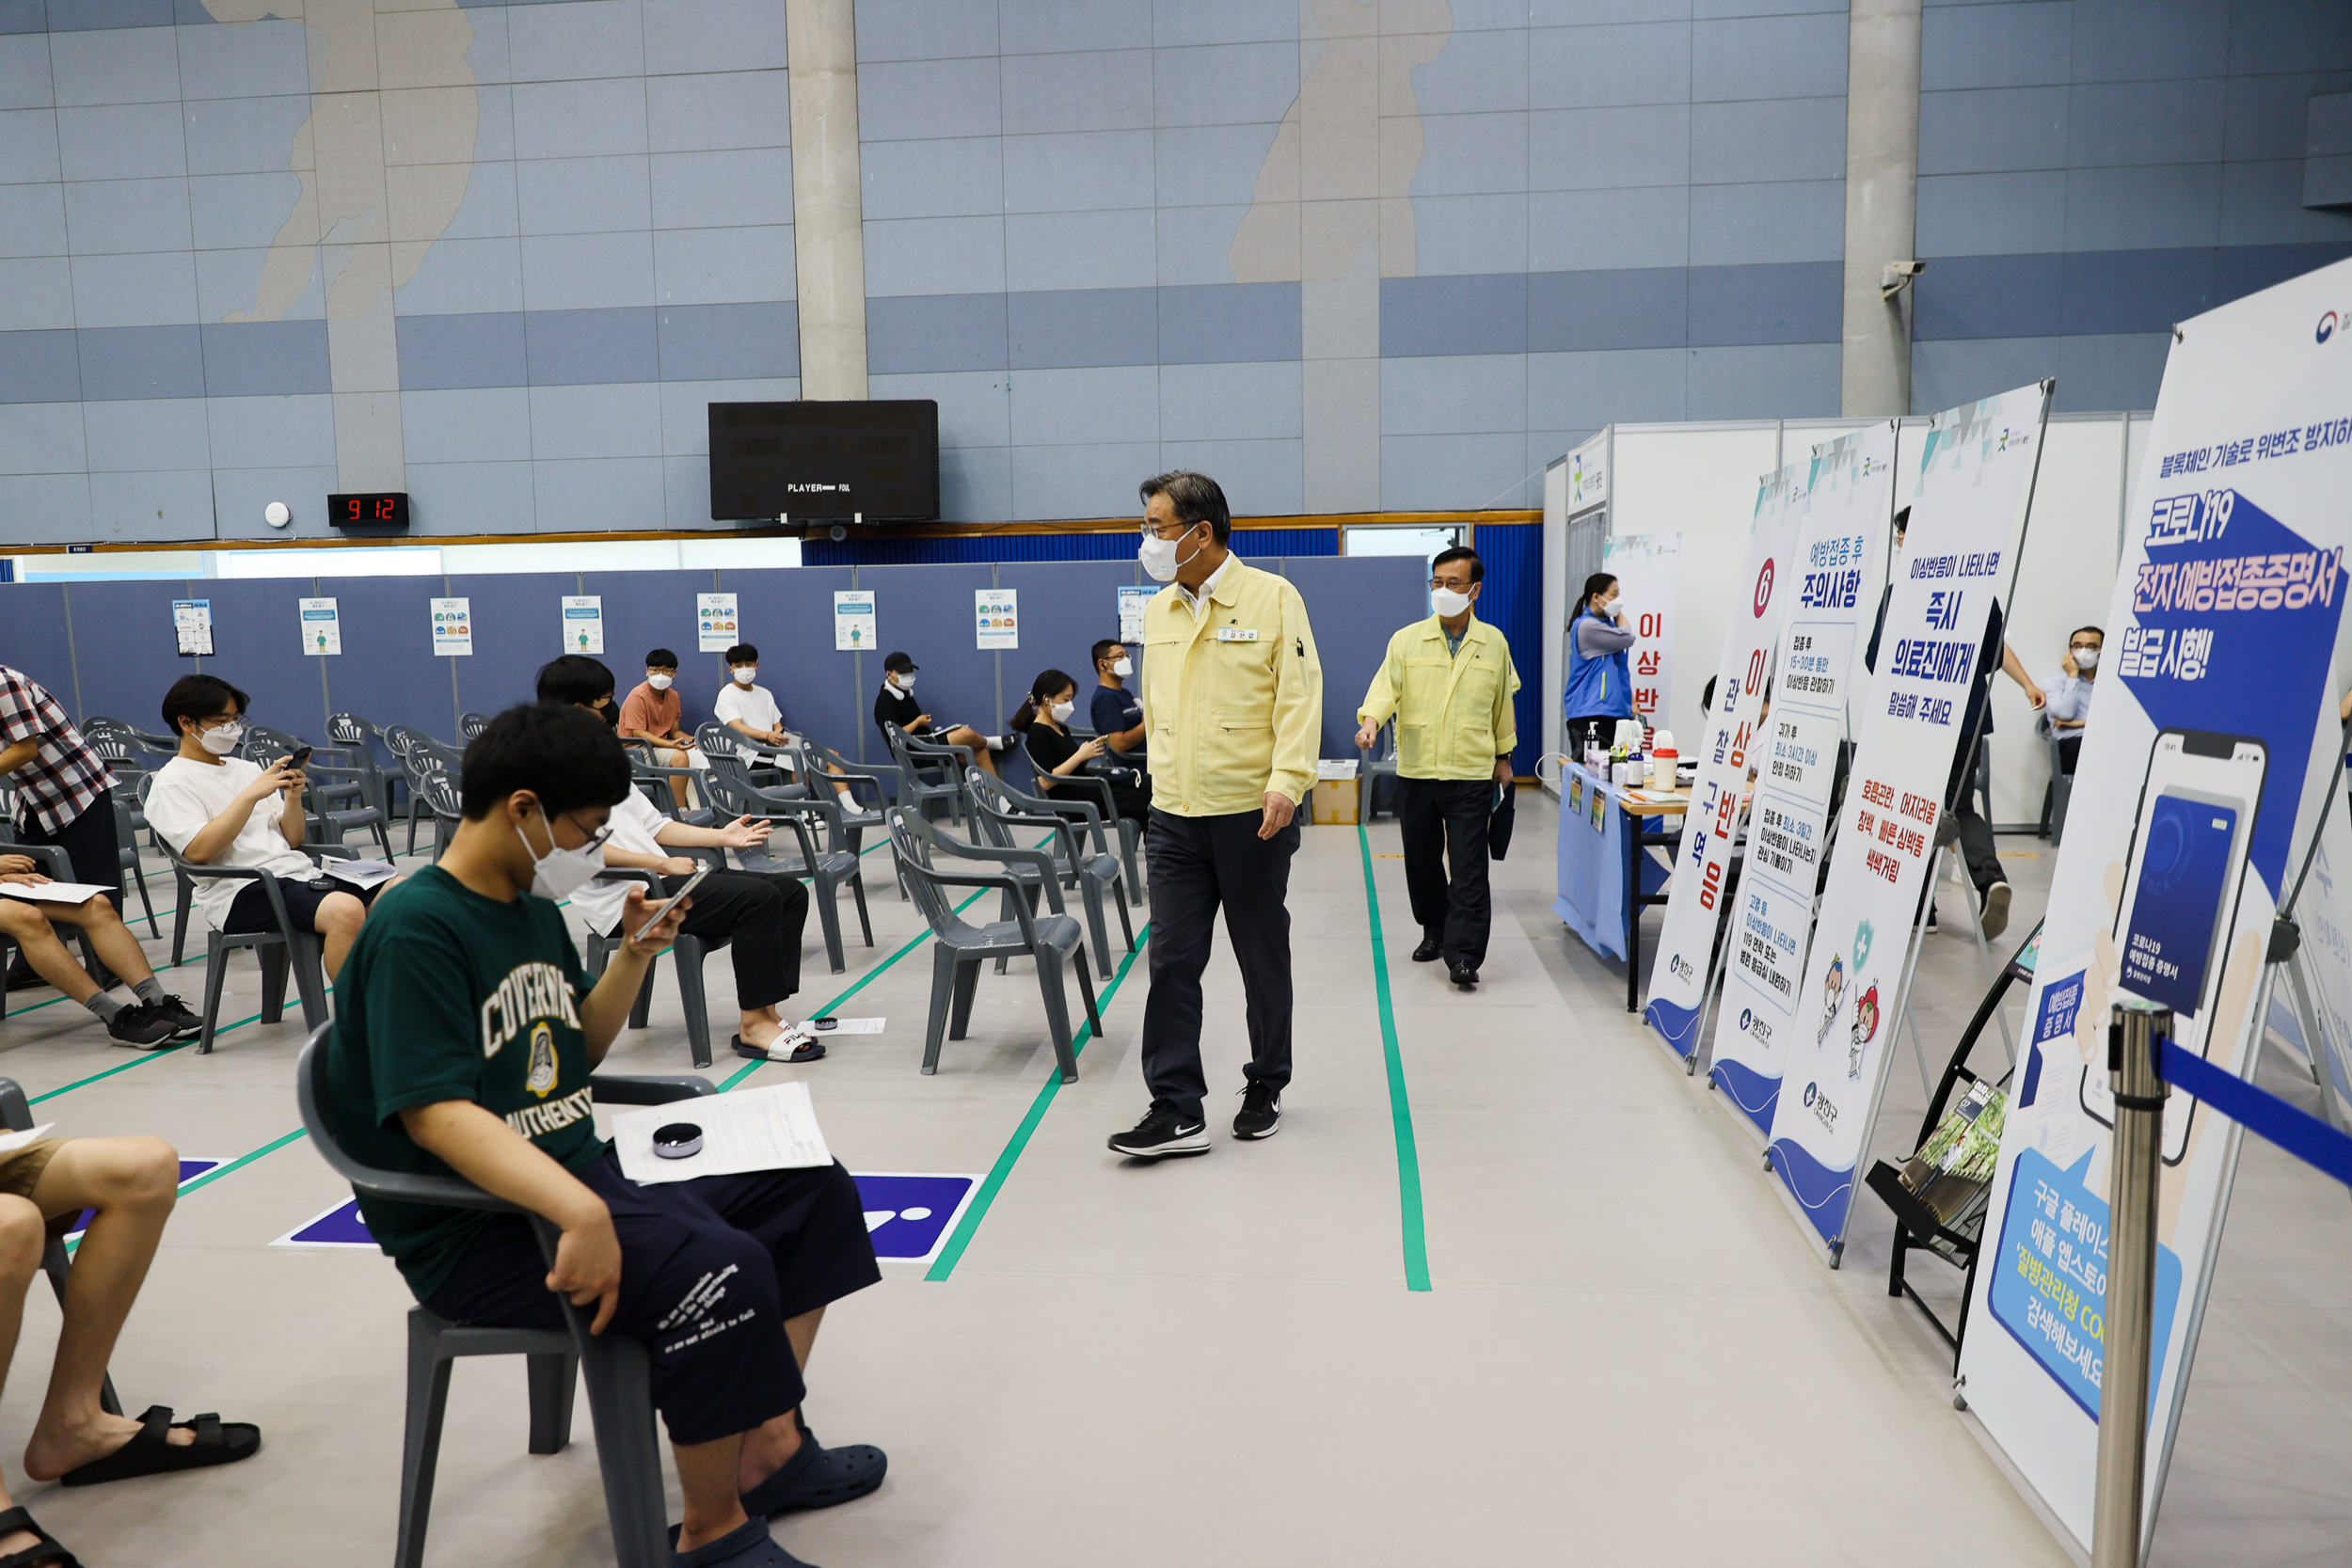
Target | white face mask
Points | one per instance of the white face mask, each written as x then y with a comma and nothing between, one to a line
1123,668
1158,557
222,741
659,683
905,683
2085,659
560,873
745,676
1062,712
1449,604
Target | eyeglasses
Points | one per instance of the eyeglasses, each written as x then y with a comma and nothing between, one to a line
1150,529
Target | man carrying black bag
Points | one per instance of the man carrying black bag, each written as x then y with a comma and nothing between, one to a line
1448,681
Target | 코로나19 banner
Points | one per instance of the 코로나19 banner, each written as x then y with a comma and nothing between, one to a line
1679,977
1839,563
1967,517
2203,770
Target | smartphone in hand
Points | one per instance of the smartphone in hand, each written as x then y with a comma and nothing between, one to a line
691,883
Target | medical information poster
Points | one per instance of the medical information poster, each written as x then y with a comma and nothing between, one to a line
453,626
1976,473
583,624
2201,779
192,627
714,622
1839,566
852,620
322,628
997,611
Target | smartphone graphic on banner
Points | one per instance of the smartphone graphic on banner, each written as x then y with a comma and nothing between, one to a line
2189,844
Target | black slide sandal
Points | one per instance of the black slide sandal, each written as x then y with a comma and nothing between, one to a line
51,1551
151,1452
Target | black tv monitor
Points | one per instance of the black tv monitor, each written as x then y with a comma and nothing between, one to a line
874,462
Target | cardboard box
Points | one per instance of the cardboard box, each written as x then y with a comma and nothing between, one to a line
1334,802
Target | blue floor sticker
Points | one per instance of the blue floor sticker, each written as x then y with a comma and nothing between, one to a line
908,1215
189,1171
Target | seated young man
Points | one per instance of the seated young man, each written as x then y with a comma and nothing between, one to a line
750,708
212,809
463,1042
758,914
1115,712
152,1017
895,703
655,714
45,1189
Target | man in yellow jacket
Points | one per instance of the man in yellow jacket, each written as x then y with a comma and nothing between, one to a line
1448,680
1233,709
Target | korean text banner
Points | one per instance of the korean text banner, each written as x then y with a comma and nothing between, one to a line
1679,977
2200,780
1967,516
1648,569
1839,566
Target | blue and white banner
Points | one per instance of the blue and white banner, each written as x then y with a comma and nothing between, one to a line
1840,564
1967,516
1680,976
2203,771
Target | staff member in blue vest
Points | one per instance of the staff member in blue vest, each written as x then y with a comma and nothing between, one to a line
1233,699
1600,677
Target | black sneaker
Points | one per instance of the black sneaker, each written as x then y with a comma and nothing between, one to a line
1430,948
1161,1133
137,1025
171,1010
1464,977
1260,1113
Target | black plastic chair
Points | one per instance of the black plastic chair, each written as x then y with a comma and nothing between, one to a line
1053,940
827,869
998,811
16,1115
615,1367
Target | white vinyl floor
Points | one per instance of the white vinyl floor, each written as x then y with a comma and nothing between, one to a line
1629,1353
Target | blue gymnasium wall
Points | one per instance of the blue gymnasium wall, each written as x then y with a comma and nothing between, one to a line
108,647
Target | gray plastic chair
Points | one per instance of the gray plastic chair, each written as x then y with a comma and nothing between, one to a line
472,724
930,774
718,741
616,1368
1055,940
1378,764
828,869
338,797
879,781
58,868
279,949
687,953
1096,790
999,812
2062,781
16,1115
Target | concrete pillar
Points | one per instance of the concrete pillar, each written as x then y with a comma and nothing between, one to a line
1882,201
828,200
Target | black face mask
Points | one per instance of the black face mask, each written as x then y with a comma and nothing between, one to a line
611,712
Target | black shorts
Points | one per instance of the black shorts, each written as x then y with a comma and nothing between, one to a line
710,1270
250,912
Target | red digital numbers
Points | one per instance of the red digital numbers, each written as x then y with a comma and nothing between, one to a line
384,508
351,508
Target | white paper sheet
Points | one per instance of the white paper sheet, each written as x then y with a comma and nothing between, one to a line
851,1026
772,1127
54,893
11,1142
361,874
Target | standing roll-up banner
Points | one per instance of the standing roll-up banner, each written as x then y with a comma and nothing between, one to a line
1974,484
1684,969
1839,561
1648,569
2203,771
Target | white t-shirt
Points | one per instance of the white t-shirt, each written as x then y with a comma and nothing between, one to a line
634,823
187,795
754,706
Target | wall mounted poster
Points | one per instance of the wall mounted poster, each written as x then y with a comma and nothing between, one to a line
322,628
852,620
192,626
1648,568
1975,474
1839,563
2199,785
715,628
1680,976
583,624
997,615
453,626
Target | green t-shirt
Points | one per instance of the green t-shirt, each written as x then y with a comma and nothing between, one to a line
449,995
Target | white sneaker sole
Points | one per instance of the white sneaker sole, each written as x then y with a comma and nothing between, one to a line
1190,1143
1996,910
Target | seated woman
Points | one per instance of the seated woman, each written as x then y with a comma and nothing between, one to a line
1044,723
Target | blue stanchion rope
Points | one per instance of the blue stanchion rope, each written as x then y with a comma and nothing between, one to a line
2297,1131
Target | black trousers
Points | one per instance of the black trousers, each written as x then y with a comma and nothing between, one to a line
759,914
88,842
1976,850
1444,824
1198,863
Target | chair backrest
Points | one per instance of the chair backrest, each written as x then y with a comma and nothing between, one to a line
999,811
913,839
16,1113
349,729
265,746
717,739
472,724
440,791
311,1095
403,740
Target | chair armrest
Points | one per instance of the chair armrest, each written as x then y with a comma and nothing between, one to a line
630,874
60,864
330,851
647,1088
1041,861
16,1113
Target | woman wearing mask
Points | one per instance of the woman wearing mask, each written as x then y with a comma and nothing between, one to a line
1043,722
1600,677
895,703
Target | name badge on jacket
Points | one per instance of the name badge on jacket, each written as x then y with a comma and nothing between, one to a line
1236,634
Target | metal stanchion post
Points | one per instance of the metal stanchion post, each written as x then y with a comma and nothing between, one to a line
2136,1034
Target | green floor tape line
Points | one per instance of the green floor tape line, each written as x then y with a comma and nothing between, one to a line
952,1253
1400,1108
